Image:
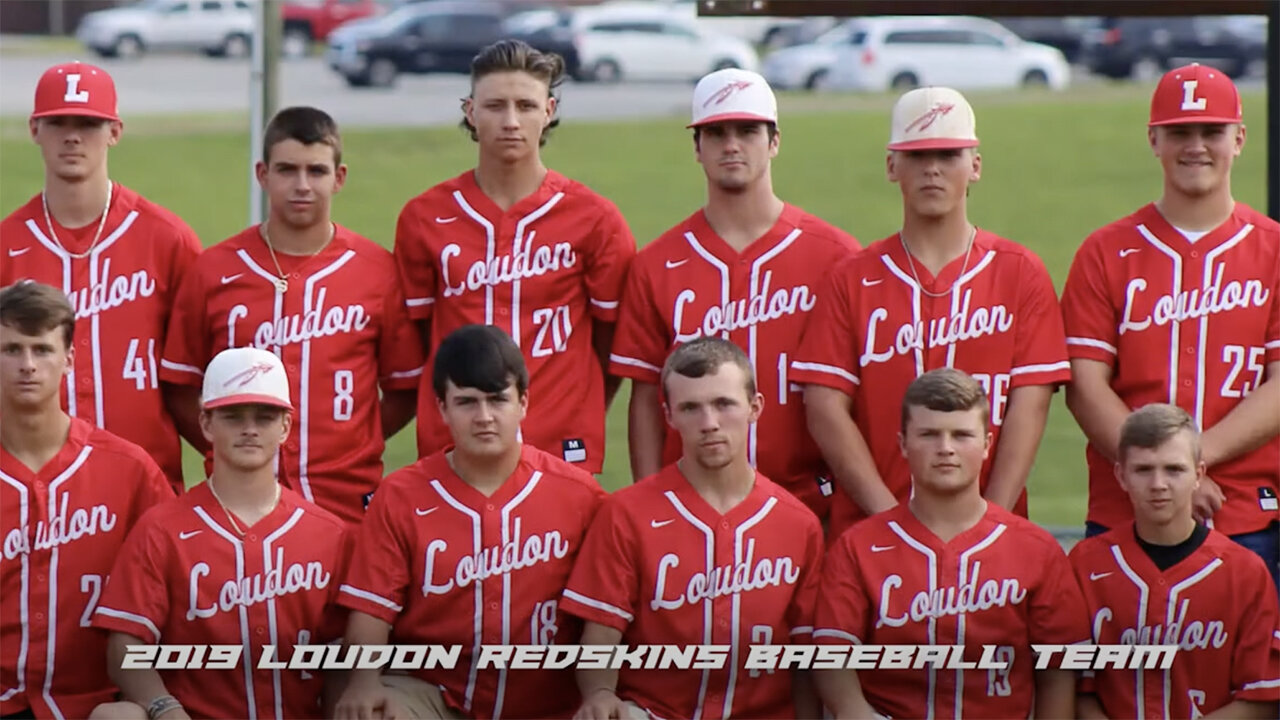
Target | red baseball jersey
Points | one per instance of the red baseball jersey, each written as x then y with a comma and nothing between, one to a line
63,527
1218,606
1188,323
1005,582
665,568
690,283
187,576
883,320
342,332
122,292
542,270
445,565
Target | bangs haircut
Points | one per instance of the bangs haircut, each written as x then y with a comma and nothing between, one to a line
704,356
307,125
483,357
34,308
1153,425
945,390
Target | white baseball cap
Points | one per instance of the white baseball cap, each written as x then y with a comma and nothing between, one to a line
933,118
733,94
241,376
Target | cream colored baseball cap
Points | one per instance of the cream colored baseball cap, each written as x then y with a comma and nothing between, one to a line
733,94
933,118
242,376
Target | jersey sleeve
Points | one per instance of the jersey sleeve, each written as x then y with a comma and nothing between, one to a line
400,358
378,583
1040,346
187,346
413,259
804,604
843,612
334,621
607,262
604,585
1273,320
136,598
1255,669
187,249
1078,559
1088,313
640,340
827,354
1057,614
154,487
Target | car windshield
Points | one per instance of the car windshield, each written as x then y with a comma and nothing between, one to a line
841,35
393,21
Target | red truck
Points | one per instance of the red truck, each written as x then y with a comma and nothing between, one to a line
309,21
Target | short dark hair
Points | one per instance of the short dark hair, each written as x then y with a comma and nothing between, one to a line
704,356
479,356
770,128
307,125
1153,425
34,308
516,56
945,390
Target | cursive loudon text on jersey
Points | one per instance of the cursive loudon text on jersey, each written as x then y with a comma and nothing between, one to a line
63,528
319,322
278,580
111,291
526,262
975,595
1194,635
515,554
760,307
965,324
1189,304
730,579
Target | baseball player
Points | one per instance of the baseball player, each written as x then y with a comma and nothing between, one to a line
706,552
519,246
745,267
69,493
949,567
239,560
1165,579
939,293
1180,303
470,545
325,300
117,256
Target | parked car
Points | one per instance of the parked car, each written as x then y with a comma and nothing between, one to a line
1065,33
423,37
648,41
899,53
764,30
308,21
1143,48
216,27
549,30
807,66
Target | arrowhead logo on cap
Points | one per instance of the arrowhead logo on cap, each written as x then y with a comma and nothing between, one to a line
246,376
726,92
930,116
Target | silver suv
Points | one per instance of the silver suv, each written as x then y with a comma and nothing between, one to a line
216,27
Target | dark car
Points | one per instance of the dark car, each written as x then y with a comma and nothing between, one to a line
426,37
1065,33
1144,48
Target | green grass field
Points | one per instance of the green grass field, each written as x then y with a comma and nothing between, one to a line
1055,167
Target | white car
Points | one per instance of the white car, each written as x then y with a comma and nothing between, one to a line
648,41
807,66
763,30
900,53
216,27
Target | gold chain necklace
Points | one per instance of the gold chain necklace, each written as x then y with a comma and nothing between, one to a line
282,279
912,264
48,222
231,518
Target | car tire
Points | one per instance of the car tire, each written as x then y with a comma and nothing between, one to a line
360,80
904,81
606,71
816,80
128,46
725,64
296,42
235,45
1146,69
382,72
1035,78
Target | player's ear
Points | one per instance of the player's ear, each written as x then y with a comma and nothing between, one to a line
260,172
33,125
890,167
552,104
902,443
71,359
1239,139
469,109
524,404
757,407
988,441
1119,471
975,172
206,420
1151,139
339,177
286,419
114,132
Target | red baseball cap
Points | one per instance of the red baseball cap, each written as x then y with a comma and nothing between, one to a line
76,88
1195,94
